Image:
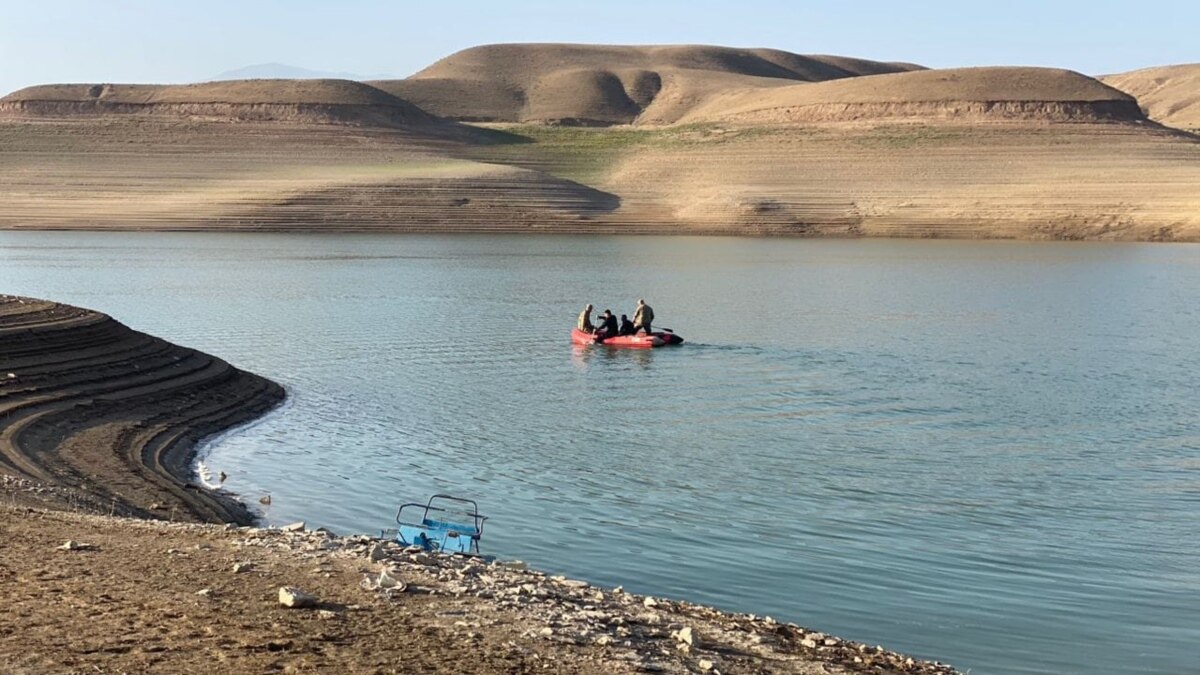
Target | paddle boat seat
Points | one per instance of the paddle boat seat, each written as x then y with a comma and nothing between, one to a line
447,524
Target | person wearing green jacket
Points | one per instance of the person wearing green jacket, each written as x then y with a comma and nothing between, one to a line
585,320
643,316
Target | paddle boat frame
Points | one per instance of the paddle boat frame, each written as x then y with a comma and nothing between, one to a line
448,524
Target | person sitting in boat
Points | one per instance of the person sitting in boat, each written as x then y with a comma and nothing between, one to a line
626,326
608,325
585,320
642,317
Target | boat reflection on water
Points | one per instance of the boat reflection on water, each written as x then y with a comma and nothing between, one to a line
585,356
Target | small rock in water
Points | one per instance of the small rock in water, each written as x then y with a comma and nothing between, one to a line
290,596
294,527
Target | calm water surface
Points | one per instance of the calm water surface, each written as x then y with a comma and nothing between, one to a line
985,453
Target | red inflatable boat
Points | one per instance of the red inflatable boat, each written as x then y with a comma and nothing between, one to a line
639,341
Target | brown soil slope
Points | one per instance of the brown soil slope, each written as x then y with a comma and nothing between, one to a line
115,414
1010,179
85,173
1169,95
600,85
1024,93
314,101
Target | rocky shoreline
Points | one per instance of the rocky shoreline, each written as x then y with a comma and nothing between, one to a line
464,614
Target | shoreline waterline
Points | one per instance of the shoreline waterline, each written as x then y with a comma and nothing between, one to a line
573,615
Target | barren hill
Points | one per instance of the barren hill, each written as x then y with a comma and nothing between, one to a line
601,85
1169,95
321,101
998,92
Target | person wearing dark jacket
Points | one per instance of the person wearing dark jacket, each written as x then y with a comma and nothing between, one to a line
608,325
626,326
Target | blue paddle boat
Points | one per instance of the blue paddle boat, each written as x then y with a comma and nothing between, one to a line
447,524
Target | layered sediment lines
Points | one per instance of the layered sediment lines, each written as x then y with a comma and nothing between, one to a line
1080,181
115,415
308,101
963,94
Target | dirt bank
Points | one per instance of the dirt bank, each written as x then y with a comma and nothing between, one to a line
995,179
115,414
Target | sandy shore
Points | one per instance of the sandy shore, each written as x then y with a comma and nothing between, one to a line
98,426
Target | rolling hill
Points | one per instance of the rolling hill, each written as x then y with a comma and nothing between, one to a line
604,85
314,101
618,139
997,92
1169,95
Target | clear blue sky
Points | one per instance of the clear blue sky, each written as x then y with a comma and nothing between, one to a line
189,40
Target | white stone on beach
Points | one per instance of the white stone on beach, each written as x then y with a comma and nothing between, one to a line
650,602
687,636
240,567
387,581
76,546
290,596
294,527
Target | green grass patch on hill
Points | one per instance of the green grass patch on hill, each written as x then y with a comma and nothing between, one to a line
587,154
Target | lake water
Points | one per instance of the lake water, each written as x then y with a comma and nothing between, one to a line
982,452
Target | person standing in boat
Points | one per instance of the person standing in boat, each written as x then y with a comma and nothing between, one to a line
585,320
626,326
608,325
643,316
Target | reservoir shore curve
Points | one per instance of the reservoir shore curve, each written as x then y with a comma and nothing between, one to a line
99,425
